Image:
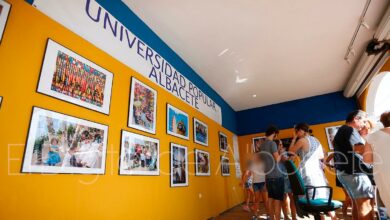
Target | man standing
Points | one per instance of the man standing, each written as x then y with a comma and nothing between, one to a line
274,178
349,165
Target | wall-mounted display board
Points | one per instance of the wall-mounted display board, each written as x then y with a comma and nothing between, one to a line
5,8
59,143
179,165
177,122
223,142
225,169
202,163
142,109
201,132
139,155
70,77
256,143
330,134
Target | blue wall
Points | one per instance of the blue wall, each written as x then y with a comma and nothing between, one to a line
314,110
132,22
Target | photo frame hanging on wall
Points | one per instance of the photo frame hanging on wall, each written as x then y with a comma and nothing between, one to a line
201,132
256,143
5,9
67,76
330,134
1,100
139,155
225,166
142,109
202,163
59,143
179,165
223,142
177,122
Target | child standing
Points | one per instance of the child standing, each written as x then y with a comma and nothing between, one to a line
247,182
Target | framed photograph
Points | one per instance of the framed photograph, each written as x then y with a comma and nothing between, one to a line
139,155
72,78
1,100
59,143
223,142
142,109
179,165
225,168
202,163
330,133
256,143
201,133
5,8
177,122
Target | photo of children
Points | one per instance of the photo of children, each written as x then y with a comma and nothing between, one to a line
179,165
142,110
59,143
200,132
225,169
256,143
139,155
70,77
202,163
177,122
5,8
330,133
223,142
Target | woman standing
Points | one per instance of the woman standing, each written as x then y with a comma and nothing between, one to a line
310,152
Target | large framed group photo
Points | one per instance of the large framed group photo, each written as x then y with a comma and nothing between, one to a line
139,155
179,165
142,109
67,76
177,122
5,8
59,143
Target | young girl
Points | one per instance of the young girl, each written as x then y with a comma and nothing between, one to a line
247,183
259,187
53,156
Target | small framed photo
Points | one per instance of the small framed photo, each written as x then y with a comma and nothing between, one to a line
256,143
5,8
225,166
202,163
179,165
139,155
177,122
67,76
330,134
201,132
1,100
59,143
142,109
223,142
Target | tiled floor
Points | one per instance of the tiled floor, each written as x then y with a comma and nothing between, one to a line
237,213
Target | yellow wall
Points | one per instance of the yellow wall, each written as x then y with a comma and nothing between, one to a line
245,143
109,196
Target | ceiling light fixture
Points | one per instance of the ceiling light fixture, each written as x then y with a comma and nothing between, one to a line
223,52
254,95
239,80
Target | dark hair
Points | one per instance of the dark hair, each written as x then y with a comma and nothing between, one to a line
302,126
271,130
352,115
385,119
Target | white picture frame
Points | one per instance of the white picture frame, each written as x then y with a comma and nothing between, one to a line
178,165
225,166
201,132
330,134
5,9
177,123
146,120
223,142
135,147
256,143
202,163
55,139
65,74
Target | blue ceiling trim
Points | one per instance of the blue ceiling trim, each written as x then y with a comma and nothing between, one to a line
314,110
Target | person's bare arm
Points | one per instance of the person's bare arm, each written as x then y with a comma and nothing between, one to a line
368,156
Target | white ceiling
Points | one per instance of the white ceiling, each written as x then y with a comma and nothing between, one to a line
287,49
